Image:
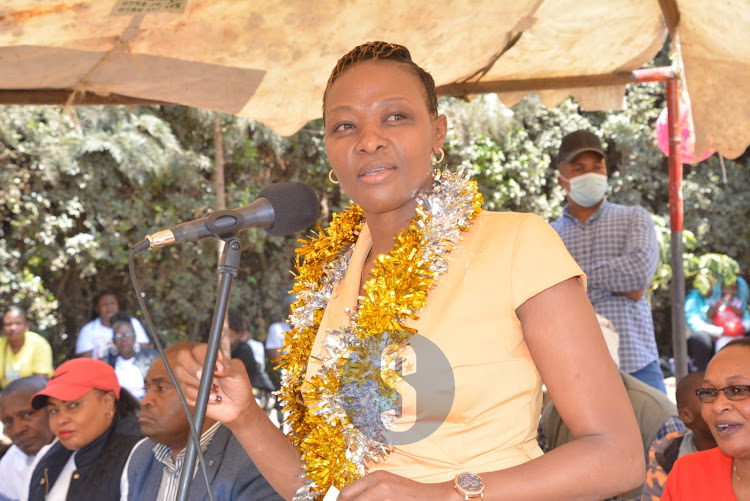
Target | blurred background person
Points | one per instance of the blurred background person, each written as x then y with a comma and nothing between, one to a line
703,332
96,425
155,464
130,361
274,346
24,353
95,337
709,331
235,326
259,349
264,394
724,471
27,428
277,330
730,312
695,437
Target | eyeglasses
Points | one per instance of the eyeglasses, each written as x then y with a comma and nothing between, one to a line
123,335
734,392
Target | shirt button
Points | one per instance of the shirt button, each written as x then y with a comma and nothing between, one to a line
211,463
76,476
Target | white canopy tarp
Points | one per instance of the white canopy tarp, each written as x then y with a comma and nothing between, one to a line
270,59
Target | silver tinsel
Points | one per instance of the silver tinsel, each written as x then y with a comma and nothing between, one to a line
442,214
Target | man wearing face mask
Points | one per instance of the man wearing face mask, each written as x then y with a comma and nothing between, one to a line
617,248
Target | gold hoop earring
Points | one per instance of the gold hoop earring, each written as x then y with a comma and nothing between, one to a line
331,178
437,161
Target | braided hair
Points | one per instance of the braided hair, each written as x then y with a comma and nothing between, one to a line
386,52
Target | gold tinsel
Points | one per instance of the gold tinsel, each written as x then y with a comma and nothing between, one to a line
336,452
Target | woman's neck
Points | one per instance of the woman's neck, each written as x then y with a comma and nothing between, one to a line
383,231
384,228
741,470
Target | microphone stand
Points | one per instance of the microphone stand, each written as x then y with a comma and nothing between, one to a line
228,265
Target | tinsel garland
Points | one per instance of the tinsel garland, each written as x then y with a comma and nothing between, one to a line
337,418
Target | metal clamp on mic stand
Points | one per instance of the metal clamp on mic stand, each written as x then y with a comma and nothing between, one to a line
228,266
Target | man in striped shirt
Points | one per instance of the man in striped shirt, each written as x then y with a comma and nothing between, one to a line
616,247
155,464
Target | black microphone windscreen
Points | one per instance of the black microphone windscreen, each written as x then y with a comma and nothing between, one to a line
295,207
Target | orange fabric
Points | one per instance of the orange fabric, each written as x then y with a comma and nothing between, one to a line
700,476
503,260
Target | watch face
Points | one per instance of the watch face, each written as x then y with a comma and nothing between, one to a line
470,483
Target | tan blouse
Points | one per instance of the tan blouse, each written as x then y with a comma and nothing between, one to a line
503,260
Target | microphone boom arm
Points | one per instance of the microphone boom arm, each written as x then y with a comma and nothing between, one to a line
221,224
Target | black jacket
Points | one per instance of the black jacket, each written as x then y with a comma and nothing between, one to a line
99,465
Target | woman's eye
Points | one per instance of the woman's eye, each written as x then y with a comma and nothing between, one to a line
51,411
342,127
395,117
72,405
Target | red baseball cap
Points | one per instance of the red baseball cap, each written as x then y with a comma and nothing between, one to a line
75,378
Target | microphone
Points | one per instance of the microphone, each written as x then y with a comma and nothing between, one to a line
281,209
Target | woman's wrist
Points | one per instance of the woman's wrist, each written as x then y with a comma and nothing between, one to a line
248,417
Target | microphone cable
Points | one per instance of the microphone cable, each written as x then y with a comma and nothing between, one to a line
194,437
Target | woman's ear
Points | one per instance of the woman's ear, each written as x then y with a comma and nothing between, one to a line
440,133
110,403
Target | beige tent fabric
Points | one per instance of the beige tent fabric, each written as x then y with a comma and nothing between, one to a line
270,59
715,41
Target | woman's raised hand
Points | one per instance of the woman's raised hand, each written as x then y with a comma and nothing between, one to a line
231,394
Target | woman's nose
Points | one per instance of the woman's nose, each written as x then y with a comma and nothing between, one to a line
370,139
721,403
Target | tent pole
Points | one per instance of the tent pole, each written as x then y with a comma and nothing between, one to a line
679,327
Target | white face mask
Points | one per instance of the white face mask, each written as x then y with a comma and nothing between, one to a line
587,189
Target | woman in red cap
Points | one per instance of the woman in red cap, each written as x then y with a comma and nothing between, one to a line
96,426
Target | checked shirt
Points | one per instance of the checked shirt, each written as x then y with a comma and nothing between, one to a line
617,249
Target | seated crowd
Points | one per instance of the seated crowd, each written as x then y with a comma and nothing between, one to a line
109,425
115,429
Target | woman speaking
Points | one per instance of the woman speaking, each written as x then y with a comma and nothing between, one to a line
414,277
